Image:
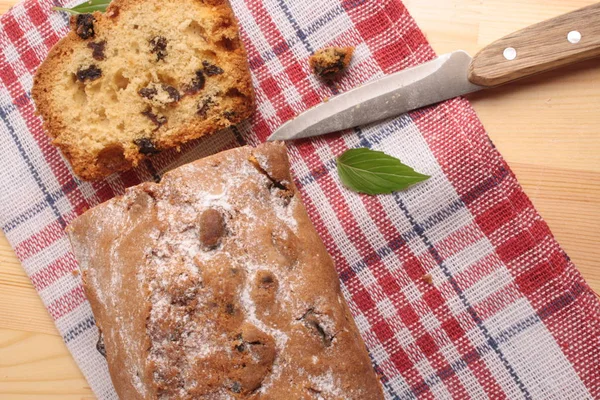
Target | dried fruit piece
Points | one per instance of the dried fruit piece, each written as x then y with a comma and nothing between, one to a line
173,93
90,73
211,69
160,94
212,228
311,320
256,354
146,146
204,106
97,49
240,347
228,44
158,46
84,26
266,280
197,83
230,115
158,120
330,62
236,387
148,92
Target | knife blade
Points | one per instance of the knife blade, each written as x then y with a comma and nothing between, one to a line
440,79
554,43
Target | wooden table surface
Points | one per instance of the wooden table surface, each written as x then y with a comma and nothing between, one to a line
548,129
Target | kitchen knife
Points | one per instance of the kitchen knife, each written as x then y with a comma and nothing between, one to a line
554,43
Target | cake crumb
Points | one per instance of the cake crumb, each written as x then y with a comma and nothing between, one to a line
427,278
330,62
75,272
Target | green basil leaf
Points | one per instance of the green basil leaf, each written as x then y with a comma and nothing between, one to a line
86,8
374,172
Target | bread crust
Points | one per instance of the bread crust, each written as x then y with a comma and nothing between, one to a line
214,284
92,157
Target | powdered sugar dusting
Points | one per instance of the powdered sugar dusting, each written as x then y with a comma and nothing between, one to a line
285,212
138,384
326,385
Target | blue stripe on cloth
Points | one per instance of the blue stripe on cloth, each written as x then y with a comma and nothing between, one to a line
562,301
316,174
88,323
384,381
38,207
463,298
436,218
503,337
485,186
361,137
382,252
376,135
404,238
299,33
32,169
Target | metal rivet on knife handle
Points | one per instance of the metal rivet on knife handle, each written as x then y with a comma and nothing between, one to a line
510,53
574,37
540,47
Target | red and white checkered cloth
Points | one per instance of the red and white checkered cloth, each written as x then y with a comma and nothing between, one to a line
507,315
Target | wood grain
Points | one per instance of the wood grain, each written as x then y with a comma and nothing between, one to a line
539,48
547,128
5,5
36,366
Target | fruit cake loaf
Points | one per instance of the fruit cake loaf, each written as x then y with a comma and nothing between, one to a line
144,76
214,284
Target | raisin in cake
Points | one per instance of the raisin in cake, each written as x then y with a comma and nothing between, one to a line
144,76
214,284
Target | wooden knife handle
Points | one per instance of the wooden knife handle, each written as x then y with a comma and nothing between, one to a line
563,40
